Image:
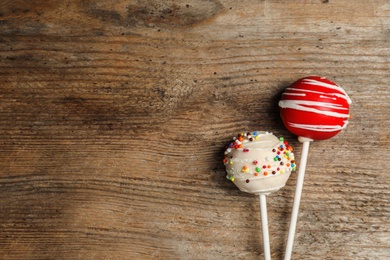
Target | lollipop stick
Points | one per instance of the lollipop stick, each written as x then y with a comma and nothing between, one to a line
297,197
264,227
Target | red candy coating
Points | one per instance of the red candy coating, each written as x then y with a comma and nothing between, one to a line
315,108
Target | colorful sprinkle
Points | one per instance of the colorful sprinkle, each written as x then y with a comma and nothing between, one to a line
283,160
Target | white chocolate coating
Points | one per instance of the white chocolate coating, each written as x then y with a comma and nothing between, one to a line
259,162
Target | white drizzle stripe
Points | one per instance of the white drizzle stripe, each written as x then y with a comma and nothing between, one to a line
318,104
303,106
295,94
318,92
327,85
319,128
306,90
322,96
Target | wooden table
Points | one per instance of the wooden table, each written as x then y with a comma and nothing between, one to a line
114,116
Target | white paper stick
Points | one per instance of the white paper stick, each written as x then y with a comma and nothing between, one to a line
264,227
297,197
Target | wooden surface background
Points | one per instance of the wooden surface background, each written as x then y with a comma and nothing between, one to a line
114,116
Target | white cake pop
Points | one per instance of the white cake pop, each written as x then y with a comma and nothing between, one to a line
259,162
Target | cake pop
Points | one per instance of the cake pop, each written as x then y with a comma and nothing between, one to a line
259,163
314,108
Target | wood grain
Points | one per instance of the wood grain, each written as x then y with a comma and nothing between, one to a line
114,116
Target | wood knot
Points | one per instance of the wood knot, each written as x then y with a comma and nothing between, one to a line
149,13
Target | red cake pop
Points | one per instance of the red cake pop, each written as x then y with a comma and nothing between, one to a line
315,108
